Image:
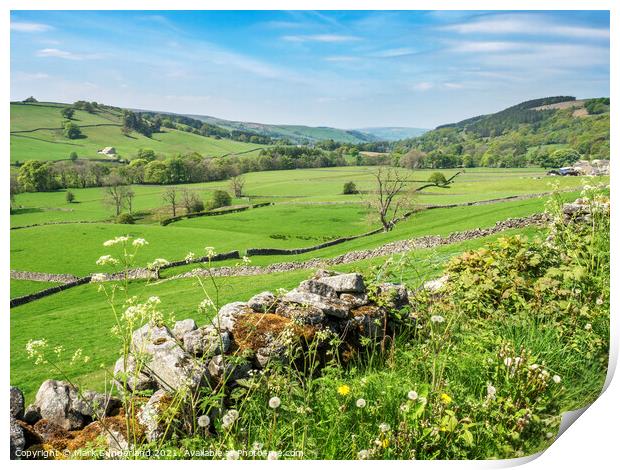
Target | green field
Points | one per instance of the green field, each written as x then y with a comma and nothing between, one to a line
101,129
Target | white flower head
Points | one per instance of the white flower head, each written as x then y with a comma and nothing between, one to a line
437,319
210,252
384,427
556,378
106,259
116,241
491,391
360,403
139,242
363,454
272,455
232,455
588,327
274,402
412,395
508,361
204,421
190,257
246,260
98,277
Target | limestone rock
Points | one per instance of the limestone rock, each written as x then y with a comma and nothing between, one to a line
126,374
223,369
436,284
302,315
393,295
228,314
206,342
56,402
18,441
352,282
264,302
17,403
32,414
334,307
182,327
151,416
355,299
317,287
96,405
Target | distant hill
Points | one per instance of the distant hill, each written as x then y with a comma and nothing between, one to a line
295,133
393,133
521,134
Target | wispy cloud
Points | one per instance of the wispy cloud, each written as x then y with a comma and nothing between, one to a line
321,38
399,52
23,27
526,24
62,54
422,86
342,58
485,46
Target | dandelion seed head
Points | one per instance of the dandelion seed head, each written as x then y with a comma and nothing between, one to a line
274,402
360,403
412,395
204,421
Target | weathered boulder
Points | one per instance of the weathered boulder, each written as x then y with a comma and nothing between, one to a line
223,369
167,363
182,327
17,439
352,282
317,287
329,306
56,401
151,416
206,342
228,314
300,314
355,299
17,403
96,405
127,375
435,285
264,302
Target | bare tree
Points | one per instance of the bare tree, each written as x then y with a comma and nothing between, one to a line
237,183
192,202
390,196
171,195
14,189
115,193
129,195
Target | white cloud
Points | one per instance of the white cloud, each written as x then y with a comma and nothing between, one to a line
320,38
62,54
395,52
422,86
526,24
30,76
341,58
485,46
453,86
23,27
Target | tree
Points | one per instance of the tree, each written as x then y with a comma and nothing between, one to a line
237,183
438,179
14,190
35,175
391,195
146,154
171,195
129,195
349,188
73,156
192,202
414,158
220,199
70,197
115,193
72,130
30,99
67,112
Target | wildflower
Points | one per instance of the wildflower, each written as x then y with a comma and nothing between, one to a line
385,443
106,259
422,400
404,408
204,421
437,319
115,241
384,427
232,455
272,455
153,299
549,435
556,378
274,402
412,395
508,361
98,277
344,390
190,257
599,301
76,355
360,403
363,454
158,263
205,305
588,327
86,359
246,260
444,397
139,242
210,251
491,391
234,414
257,446
34,349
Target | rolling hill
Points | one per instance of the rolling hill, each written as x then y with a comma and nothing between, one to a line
37,134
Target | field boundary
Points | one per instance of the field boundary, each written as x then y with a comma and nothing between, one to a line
85,126
213,212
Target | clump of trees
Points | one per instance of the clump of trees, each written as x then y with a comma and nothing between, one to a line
67,112
237,183
219,199
71,130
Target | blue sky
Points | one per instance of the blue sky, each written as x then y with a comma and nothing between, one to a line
344,69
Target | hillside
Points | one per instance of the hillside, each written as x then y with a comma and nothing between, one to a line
522,134
37,133
393,133
295,133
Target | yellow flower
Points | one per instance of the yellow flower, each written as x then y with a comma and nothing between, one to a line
385,443
344,390
447,399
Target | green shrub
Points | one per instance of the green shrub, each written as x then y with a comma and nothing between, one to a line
349,188
70,197
125,218
220,199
